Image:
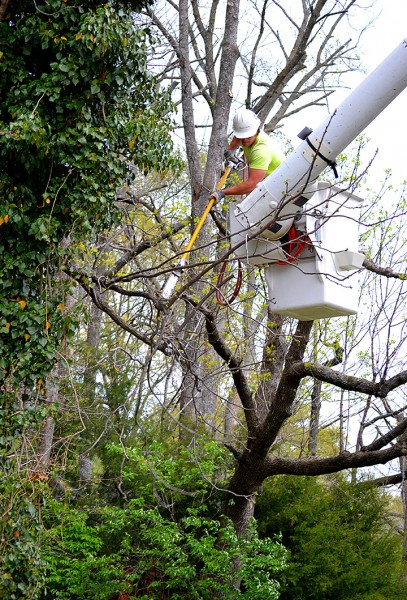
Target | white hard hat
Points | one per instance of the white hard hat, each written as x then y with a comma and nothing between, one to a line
245,123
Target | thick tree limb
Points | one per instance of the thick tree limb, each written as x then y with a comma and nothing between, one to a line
188,119
3,8
281,405
324,466
385,271
387,438
274,351
222,98
348,382
208,62
234,365
384,481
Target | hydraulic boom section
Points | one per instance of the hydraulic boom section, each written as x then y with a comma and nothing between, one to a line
280,194
314,278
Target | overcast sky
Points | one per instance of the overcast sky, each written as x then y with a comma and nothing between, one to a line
388,132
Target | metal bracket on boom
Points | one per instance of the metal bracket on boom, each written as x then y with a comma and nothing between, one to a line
304,135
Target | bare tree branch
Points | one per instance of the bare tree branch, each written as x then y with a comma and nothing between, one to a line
236,371
385,271
347,382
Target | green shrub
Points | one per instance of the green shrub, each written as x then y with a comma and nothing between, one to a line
136,550
340,546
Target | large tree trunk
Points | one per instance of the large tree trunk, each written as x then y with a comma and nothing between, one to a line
53,393
198,396
403,492
264,427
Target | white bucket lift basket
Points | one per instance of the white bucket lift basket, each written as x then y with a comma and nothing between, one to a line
322,282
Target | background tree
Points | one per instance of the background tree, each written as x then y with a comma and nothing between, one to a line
183,371
339,546
77,106
269,392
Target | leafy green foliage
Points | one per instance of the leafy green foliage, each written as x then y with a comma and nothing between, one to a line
160,541
340,545
22,566
77,105
190,474
137,550
80,116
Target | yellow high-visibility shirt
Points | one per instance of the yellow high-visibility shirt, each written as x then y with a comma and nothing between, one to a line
264,154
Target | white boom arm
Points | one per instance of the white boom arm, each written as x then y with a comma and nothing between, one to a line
279,195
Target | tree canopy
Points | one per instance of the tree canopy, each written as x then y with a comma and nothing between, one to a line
174,414
80,116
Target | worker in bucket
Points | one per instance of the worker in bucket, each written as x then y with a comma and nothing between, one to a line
261,153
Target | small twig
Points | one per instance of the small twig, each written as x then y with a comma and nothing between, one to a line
36,106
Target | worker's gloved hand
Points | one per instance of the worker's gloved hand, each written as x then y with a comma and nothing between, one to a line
231,160
226,163
228,160
217,195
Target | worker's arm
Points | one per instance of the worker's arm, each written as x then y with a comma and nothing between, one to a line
247,186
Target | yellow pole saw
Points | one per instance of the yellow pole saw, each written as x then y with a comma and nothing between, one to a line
172,280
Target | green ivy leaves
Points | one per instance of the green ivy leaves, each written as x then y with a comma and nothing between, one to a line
77,104
75,89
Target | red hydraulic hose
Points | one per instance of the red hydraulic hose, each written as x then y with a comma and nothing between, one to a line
219,295
296,244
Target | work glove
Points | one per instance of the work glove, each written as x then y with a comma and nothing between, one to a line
225,162
218,195
231,160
